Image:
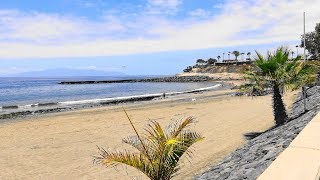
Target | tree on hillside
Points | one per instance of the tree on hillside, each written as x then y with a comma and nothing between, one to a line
211,61
249,55
158,152
218,57
188,69
236,54
242,56
200,61
313,42
277,72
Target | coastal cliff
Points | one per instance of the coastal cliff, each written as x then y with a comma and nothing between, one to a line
235,67
225,68
249,161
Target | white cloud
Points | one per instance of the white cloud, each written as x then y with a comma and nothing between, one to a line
96,4
199,13
165,3
169,7
107,69
87,68
238,23
15,70
42,27
86,4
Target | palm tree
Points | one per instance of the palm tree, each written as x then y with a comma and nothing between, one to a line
297,49
279,73
218,57
236,54
249,54
242,56
229,55
158,152
292,53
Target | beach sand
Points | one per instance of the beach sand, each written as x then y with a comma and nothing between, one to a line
61,145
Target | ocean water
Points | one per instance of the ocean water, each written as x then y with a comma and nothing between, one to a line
26,91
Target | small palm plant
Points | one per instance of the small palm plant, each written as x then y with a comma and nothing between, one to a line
159,151
279,73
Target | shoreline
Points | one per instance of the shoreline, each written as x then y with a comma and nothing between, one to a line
16,111
66,141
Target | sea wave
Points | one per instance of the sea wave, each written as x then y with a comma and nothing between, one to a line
104,100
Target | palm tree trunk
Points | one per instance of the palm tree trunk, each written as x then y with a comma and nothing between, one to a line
279,111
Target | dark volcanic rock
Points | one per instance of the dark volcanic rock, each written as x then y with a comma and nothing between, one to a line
312,100
10,107
48,104
249,161
162,79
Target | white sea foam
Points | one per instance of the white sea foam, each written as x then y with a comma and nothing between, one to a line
115,99
92,101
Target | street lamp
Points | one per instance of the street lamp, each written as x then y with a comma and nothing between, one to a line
304,36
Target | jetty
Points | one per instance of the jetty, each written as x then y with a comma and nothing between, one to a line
161,79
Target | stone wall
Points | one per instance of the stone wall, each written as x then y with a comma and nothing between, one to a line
161,79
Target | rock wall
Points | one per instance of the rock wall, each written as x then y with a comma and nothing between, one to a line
161,79
249,161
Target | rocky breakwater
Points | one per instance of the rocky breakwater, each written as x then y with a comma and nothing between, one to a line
161,79
249,161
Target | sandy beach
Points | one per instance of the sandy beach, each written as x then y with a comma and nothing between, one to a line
61,145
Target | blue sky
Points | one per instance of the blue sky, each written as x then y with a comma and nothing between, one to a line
142,36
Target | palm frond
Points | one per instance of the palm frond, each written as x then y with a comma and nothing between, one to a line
177,147
255,84
138,135
301,74
135,142
278,69
279,73
156,132
176,127
159,151
138,161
